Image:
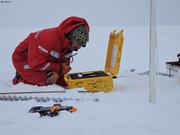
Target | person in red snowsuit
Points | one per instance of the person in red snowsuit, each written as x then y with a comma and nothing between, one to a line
43,58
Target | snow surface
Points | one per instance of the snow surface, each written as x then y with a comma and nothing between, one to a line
125,110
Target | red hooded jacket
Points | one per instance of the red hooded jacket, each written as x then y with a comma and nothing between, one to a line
44,51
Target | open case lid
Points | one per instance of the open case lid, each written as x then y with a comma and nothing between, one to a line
114,52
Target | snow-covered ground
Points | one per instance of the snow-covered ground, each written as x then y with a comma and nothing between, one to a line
125,110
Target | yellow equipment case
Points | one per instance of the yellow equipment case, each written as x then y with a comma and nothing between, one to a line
101,80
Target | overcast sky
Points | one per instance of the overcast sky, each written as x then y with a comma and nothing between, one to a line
34,13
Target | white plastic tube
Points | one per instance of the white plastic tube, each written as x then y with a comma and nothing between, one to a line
153,53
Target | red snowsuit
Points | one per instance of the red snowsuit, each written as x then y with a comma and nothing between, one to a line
44,51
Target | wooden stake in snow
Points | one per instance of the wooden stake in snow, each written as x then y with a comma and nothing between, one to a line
153,53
